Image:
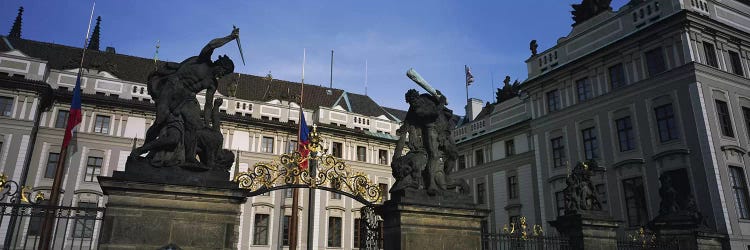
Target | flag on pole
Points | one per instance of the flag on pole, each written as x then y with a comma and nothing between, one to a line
74,117
304,141
469,76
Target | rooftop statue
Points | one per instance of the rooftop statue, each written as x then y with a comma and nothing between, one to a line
179,133
432,152
588,9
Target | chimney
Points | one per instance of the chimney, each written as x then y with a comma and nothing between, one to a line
473,108
94,41
110,50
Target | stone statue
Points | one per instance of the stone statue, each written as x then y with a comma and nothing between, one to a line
178,122
580,193
676,206
533,47
432,152
508,91
588,9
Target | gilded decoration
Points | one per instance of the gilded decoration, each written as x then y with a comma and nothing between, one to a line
328,172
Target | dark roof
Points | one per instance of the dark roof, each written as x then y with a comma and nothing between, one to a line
137,69
486,110
396,113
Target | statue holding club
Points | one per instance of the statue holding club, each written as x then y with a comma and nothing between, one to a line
432,152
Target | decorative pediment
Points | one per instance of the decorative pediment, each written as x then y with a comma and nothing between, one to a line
338,107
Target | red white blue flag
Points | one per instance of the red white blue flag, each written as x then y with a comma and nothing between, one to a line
304,141
75,116
469,76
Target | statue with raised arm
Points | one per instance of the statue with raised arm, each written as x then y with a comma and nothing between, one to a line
174,87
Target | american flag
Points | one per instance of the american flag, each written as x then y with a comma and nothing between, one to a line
469,76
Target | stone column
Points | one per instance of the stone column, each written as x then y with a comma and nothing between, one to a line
431,224
588,230
687,233
147,211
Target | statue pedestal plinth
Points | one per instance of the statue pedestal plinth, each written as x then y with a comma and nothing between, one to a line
420,224
144,214
687,232
588,230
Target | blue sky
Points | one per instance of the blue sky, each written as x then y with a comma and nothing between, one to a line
437,37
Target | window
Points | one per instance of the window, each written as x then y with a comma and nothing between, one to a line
478,157
260,231
725,121
285,229
383,156
52,160
655,61
553,100
480,193
558,152
665,123
62,118
601,193
361,153
357,232
6,106
583,88
510,149
710,52
590,148
560,203
625,133
85,219
617,76
746,115
334,231
266,145
289,193
734,58
336,149
335,184
291,146
461,162
37,217
383,191
635,201
739,185
513,187
93,168
101,125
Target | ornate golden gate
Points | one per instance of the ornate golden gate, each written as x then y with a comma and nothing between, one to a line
325,172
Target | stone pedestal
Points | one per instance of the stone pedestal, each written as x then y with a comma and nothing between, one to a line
687,232
143,213
439,224
591,230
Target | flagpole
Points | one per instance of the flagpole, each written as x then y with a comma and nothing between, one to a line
49,218
466,79
293,224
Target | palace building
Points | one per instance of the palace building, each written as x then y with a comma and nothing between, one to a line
655,88
260,116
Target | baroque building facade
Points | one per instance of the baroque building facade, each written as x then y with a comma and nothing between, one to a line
259,123
656,88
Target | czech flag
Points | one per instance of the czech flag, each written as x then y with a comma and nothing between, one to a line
304,140
74,117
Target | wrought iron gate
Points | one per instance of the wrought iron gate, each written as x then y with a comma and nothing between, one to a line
324,172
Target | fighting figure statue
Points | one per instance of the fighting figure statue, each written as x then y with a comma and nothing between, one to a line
432,152
580,194
179,133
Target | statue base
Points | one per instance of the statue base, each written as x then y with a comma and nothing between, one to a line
425,225
139,168
588,230
688,231
148,215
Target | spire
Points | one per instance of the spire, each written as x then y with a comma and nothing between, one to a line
94,42
15,31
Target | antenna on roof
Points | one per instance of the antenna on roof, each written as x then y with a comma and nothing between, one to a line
330,87
365,77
